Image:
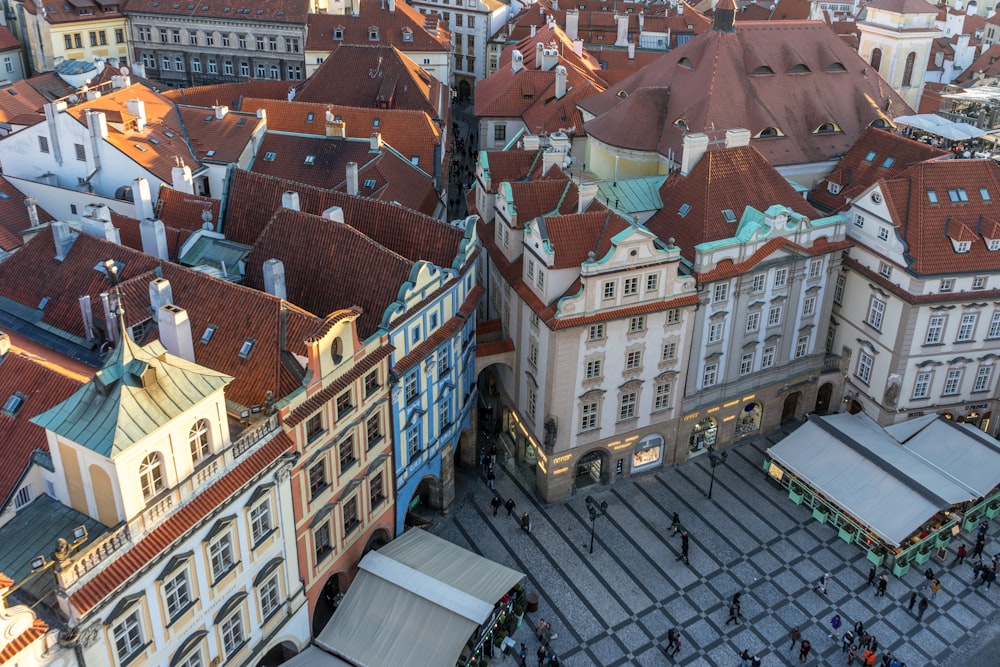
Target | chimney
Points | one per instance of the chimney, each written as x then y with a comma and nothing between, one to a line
290,200
550,159
262,114
737,138
695,146
87,314
550,58
352,178
153,235
181,178
160,294
392,6
578,46
560,82
90,94
680,8
516,61
335,128
274,278
4,343
588,191
573,24
175,331
63,239
555,5
32,205
110,318
221,111
334,213
539,49
622,38
138,109
533,29
142,199
98,123
642,21
631,50
376,141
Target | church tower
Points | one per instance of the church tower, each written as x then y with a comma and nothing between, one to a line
896,38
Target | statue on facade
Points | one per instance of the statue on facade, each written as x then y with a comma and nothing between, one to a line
550,432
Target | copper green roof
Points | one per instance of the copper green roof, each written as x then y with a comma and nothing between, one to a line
138,390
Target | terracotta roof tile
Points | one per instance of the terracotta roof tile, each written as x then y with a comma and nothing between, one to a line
7,40
62,12
904,6
216,139
391,27
22,641
534,198
574,237
275,11
228,94
130,233
494,347
488,327
22,102
181,210
127,564
14,218
50,85
42,388
509,166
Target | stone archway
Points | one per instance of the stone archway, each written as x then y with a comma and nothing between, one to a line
464,91
278,654
326,604
823,398
790,407
591,468
855,407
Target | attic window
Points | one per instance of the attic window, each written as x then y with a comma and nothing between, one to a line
209,332
963,246
44,302
984,193
769,132
994,245
415,160
729,215
14,404
827,128
799,69
309,117
407,35
762,70
310,159
141,148
4,195
684,210
210,153
241,121
153,140
338,34
269,156
376,122
888,162
208,118
622,94
836,67
370,183
373,34
170,135
247,348
932,196
682,124
870,157
880,122
958,195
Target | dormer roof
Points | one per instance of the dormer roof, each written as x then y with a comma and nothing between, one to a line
391,28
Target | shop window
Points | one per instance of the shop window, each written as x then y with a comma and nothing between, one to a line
704,434
648,452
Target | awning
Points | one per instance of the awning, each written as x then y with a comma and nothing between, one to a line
416,601
940,126
315,657
891,480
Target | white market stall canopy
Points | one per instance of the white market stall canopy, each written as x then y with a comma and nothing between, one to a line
893,479
940,126
415,601
315,657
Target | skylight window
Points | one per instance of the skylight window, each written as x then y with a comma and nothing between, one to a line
376,122
13,404
870,157
888,162
208,118
210,153
209,332
247,348
729,215
370,183
269,156
309,117
763,69
684,210
984,193
141,148
170,135
932,196
4,195
310,159
154,141
958,195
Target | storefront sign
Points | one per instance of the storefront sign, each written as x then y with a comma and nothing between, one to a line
620,466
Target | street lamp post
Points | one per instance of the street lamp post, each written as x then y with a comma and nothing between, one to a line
596,510
715,459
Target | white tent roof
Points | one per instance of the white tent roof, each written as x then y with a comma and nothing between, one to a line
315,657
941,126
891,480
416,601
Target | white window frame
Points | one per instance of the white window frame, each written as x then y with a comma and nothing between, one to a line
753,321
876,313
780,278
715,331
767,356
221,555
935,329
652,282
128,636
774,316
669,352
863,371
177,596
633,360
720,293
630,287
815,268
637,324
595,332
269,596
809,306
233,633
922,385
952,382
627,404
261,522
710,375
746,363
593,369
759,282
801,347
608,289
984,377
662,396
588,416
967,328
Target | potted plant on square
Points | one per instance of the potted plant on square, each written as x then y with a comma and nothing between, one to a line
876,554
971,521
923,554
901,566
795,493
847,532
993,508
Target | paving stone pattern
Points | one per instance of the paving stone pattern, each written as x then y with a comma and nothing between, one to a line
614,607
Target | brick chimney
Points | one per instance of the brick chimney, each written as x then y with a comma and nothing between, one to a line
274,278
175,331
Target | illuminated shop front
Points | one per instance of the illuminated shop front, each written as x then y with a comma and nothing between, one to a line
749,419
648,452
704,434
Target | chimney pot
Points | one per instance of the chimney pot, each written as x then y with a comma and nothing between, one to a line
352,178
142,199
153,235
274,278
175,331
32,205
334,213
290,200
160,294
137,108
695,145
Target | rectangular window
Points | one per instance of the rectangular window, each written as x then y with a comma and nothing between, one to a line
637,324
410,389
979,282
865,363
669,352
376,489
347,454
593,369
221,556
93,38
345,403
531,402
759,281
196,65
808,306
67,41
995,326
780,278
673,316
371,383
210,39
715,332
531,271
499,131
164,35
596,332
413,441
175,36
213,67
192,39
630,287
838,290
774,316
314,427
883,233
317,478
633,360
711,375
227,68
952,382
373,430
947,285
815,268
876,313
144,33
859,221
801,346
444,360
270,600
540,281
272,43
77,41
609,290
983,376
935,330
922,385
128,637
177,595
533,354
767,356
966,328
746,363
662,400
626,409
81,152
753,321
321,540
260,521
225,40
652,282
233,637
43,144
351,520
720,293
588,418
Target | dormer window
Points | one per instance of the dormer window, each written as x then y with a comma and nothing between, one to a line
993,245
835,67
247,348
682,124
962,246
833,188
827,128
880,123
763,70
373,34
799,69
407,35
13,404
338,34
769,133
685,62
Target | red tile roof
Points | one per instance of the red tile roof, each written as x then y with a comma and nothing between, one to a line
216,139
729,269
391,27
791,75
14,215
412,133
130,232
494,347
987,65
534,198
254,198
7,40
904,6
574,237
20,104
729,179
10,650
62,12
127,564
893,153
275,11
228,94
42,387
510,166
925,227
181,210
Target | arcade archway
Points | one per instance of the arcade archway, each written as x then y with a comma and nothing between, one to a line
590,469
823,398
791,407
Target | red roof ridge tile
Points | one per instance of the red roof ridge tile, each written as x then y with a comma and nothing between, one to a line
23,640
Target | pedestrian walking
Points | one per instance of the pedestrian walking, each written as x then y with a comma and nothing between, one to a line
823,583
977,551
883,583
745,658
540,628
913,601
847,641
868,658
684,547
935,587
859,627
491,479
872,644
549,634
795,635
510,505
541,654
804,651
991,575
496,504
852,655
675,524
674,645
835,624
922,607
526,523
960,556
886,659
977,569
755,661
734,612
524,655
928,578
871,576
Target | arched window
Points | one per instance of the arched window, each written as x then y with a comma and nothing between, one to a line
908,68
876,60
151,475
199,440
337,351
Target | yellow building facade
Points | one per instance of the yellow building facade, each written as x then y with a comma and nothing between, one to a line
82,32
